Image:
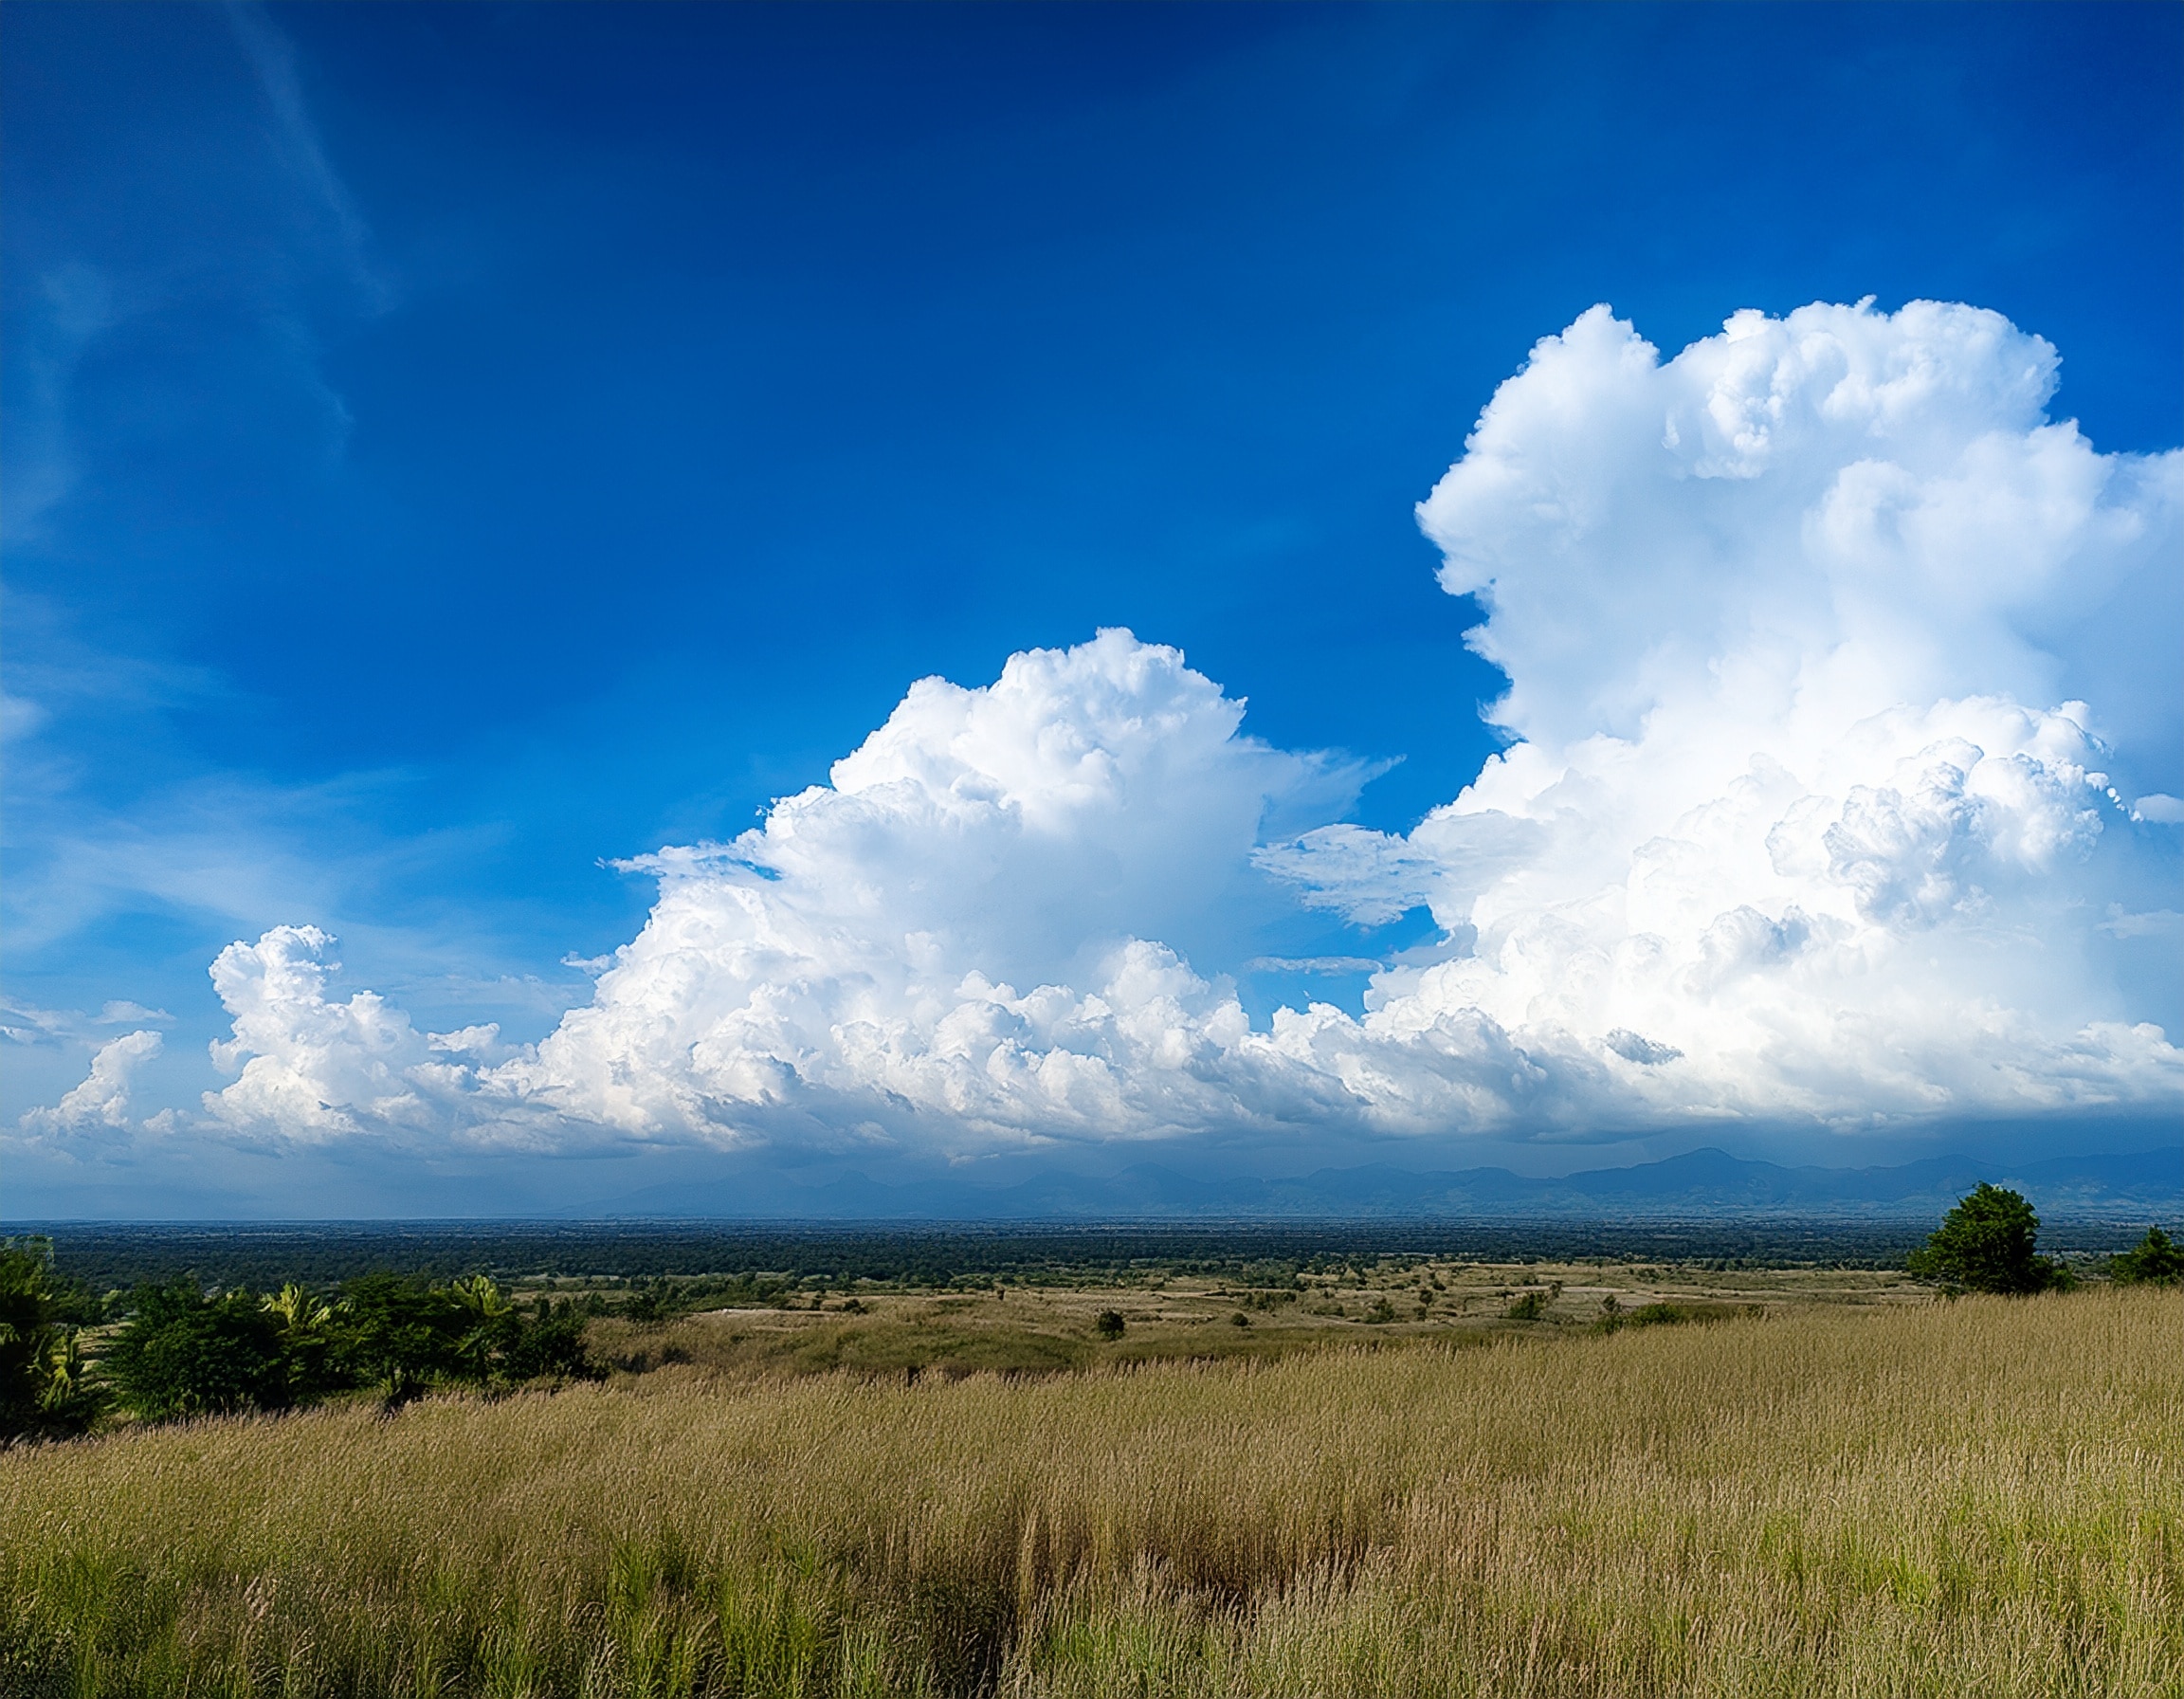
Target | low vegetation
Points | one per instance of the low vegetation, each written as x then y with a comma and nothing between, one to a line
1341,1474
1979,1497
45,1390
175,1350
2155,1260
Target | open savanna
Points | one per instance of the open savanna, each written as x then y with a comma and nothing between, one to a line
867,1328
1978,1497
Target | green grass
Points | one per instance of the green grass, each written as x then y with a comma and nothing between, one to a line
1984,1497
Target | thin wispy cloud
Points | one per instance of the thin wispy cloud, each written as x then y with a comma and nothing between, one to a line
303,150
72,306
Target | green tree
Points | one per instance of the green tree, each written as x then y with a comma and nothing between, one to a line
308,1342
44,1393
650,1302
183,1353
552,1343
1986,1244
491,1328
2156,1258
403,1336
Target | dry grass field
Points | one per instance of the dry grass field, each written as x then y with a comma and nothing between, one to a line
1984,1497
1021,1330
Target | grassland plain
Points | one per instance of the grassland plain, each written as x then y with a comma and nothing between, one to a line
1264,1312
1984,1497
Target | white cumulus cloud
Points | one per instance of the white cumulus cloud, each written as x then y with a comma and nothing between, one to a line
104,1102
311,1070
1842,693
959,930
1803,790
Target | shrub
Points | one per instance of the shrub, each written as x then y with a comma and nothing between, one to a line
185,1354
42,1390
305,1324
404,1336
1110,1324
652,1301
400,1335
1529,1307
551,1343
1986,1245
2156,1258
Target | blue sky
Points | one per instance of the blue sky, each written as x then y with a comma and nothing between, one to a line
450,449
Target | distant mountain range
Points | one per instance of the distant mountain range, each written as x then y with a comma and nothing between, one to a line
1703,1184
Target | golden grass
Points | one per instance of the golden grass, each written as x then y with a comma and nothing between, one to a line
1049,1330
1978,1498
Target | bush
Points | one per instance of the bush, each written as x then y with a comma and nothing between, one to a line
309,1342
2157,1259
1110,1324
43,1393
185,1354
650,1303
1986,1245
552,1344
1614,1317
401,1336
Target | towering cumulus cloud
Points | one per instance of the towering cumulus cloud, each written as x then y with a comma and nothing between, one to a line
311,1068
900,948
1842,681
1841,793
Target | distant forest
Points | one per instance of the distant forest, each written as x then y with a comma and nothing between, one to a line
105,1257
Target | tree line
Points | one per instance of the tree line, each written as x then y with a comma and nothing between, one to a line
181,1351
